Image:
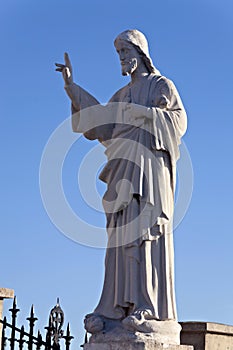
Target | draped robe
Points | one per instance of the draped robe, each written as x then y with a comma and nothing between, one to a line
139,201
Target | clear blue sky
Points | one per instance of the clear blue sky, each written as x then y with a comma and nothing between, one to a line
191,43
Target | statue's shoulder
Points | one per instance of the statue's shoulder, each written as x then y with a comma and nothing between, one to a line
163,84
161,80
117,97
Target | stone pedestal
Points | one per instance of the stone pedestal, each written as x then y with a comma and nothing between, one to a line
207,335
133,334
5,293
145,345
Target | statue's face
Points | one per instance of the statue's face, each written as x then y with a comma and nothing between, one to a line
129,57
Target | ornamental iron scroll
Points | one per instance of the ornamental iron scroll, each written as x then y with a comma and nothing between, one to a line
56,321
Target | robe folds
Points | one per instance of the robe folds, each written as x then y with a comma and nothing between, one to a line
139,201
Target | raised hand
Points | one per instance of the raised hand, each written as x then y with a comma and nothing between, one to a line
65,69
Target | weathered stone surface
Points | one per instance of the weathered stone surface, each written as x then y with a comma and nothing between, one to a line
207,335
6,293
135,346
159,332
207,327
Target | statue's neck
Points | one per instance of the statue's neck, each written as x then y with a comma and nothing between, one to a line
139,73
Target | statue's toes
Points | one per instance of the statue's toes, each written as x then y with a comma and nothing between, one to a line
132,323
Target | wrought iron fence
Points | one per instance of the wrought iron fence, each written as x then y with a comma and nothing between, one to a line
17,338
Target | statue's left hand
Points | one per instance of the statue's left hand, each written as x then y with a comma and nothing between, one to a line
137,112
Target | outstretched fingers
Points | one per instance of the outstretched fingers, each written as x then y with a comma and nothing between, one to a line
60,67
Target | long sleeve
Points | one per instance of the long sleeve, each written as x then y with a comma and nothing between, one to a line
80,100
169,119
89,117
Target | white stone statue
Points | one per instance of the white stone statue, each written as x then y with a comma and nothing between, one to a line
141,128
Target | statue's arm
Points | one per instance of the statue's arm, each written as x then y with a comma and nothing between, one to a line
169,102
169,119
80,100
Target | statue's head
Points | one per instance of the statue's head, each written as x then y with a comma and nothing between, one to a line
133,49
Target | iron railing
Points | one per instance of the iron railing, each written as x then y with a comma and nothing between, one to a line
17,338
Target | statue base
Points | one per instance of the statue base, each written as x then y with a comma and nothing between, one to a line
140,345
131,335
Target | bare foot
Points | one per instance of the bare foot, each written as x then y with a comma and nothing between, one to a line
93,323
137,321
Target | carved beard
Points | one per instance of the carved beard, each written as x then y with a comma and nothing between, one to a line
128,68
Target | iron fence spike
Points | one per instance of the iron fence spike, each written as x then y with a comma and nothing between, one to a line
14,309
68,328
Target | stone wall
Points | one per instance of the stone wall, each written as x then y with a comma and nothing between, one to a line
207,335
